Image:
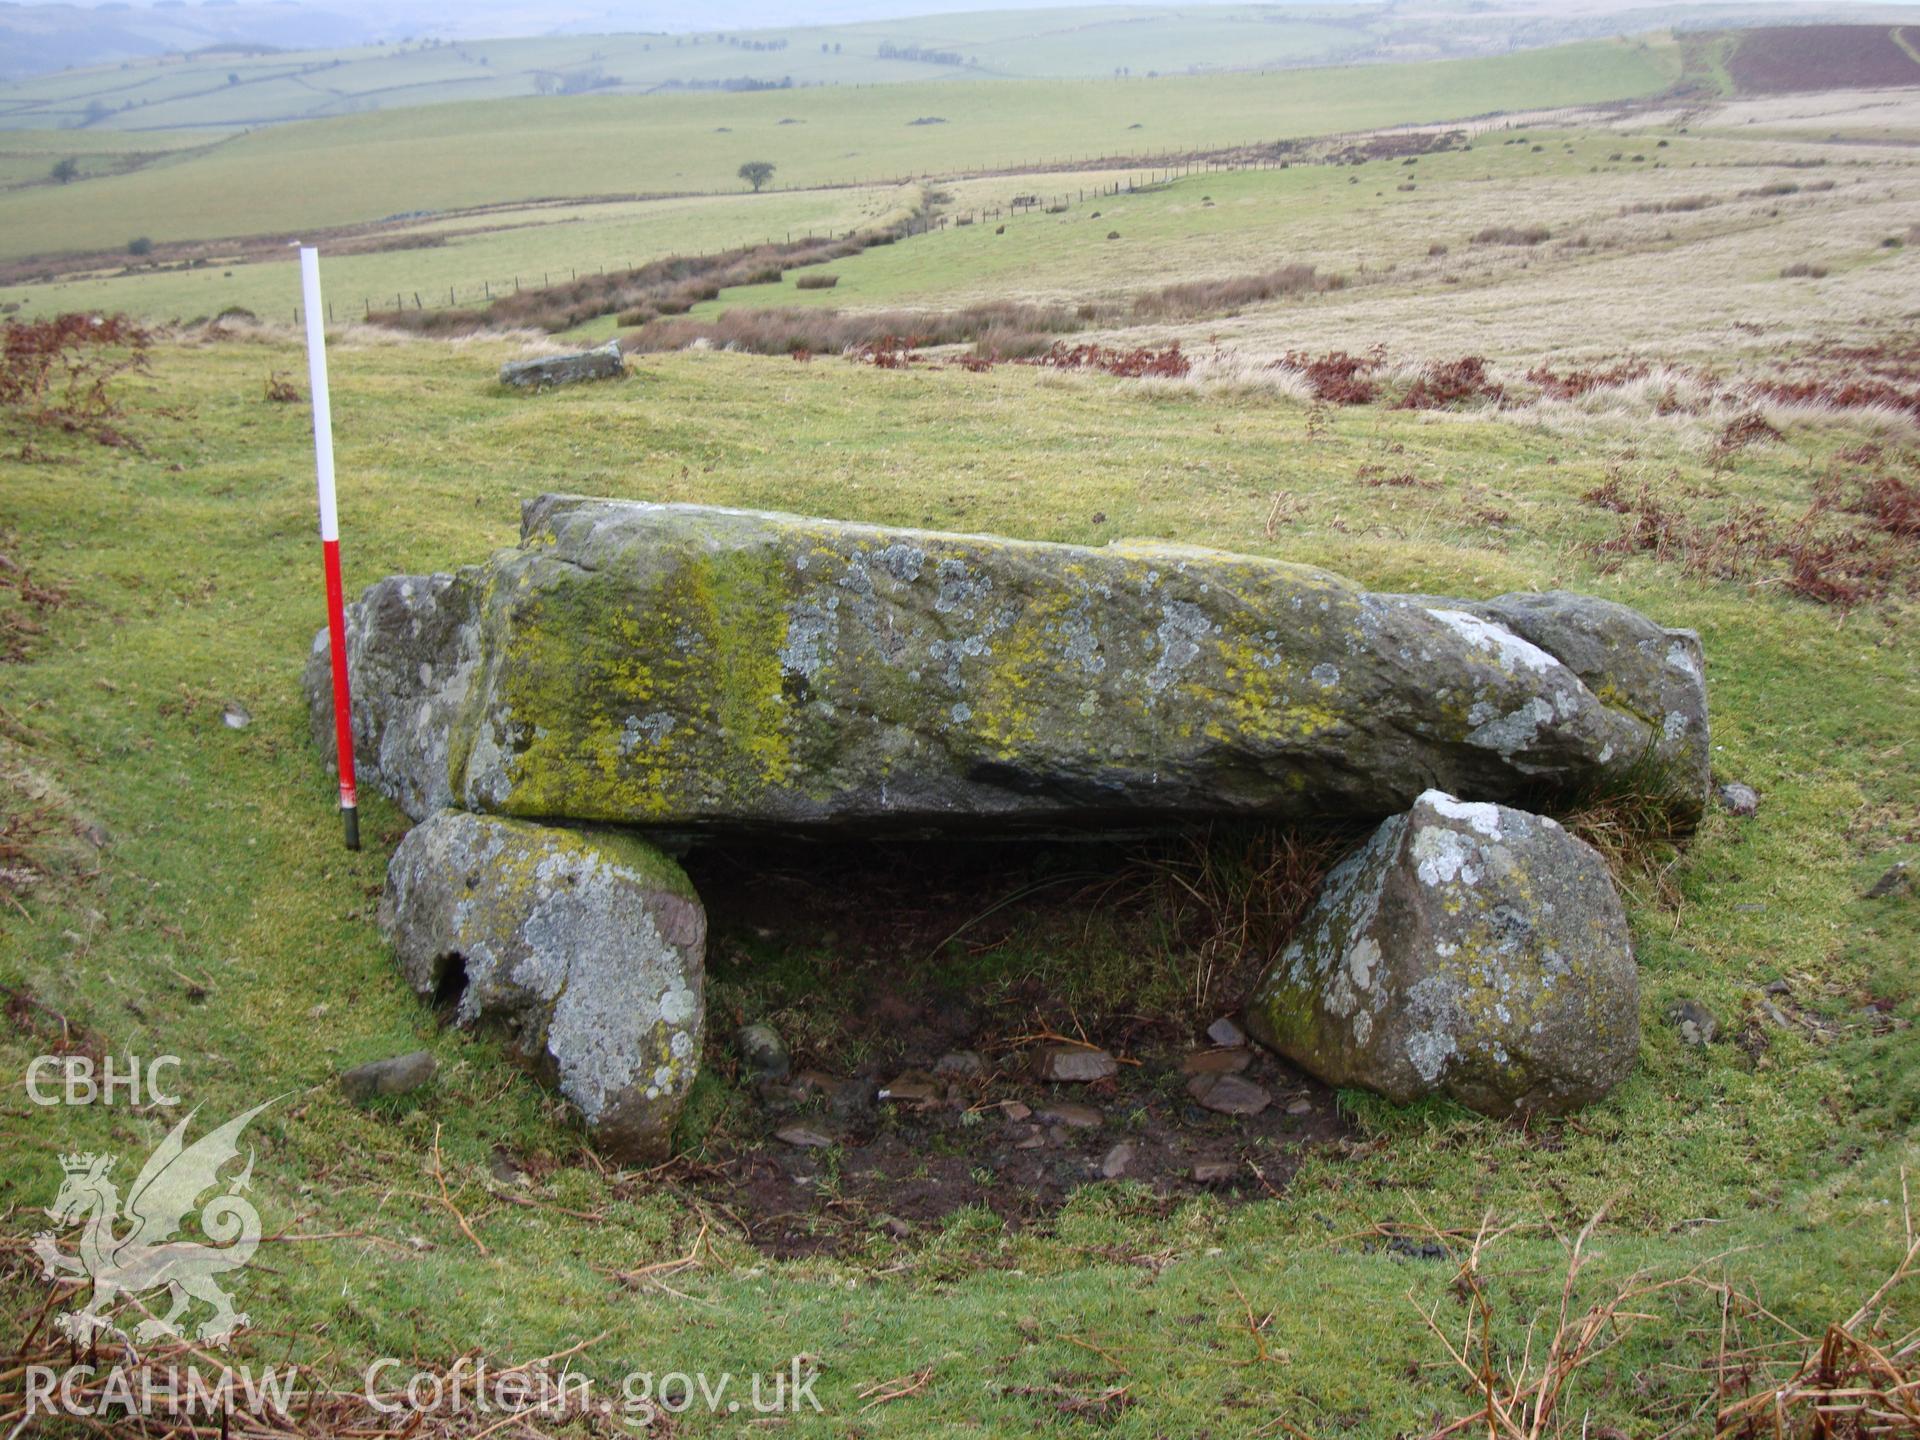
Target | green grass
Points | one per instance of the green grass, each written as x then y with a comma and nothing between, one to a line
479,255
229,91
1345,220
26,156
193,580
366,167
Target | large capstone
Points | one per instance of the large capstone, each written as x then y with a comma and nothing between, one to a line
691,669
1468,950
584,949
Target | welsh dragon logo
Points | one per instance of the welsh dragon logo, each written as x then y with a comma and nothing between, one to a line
147,1254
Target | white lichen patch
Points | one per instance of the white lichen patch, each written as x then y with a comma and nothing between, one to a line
1680,660
809,633
1476,815
1509,651
1442,857
651,729
1514,731
1182,628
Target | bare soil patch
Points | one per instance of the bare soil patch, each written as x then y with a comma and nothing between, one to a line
919,987
1820,57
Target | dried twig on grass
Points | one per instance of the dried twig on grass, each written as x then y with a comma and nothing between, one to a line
1851,1382
1520,1396
1282,509
1256,1328
1099,1404
652,1274
446,1199
881,1392
1100,1350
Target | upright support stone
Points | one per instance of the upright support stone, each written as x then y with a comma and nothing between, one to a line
585,949
1467,950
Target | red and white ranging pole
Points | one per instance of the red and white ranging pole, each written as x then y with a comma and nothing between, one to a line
330,537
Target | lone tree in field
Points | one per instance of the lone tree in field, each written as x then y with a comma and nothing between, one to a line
756,173
65,171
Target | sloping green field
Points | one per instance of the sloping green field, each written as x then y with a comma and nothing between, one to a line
228,90
365,167
477,256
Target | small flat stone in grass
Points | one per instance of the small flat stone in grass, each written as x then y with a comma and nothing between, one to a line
1116,1161
1226,1032
1693,1022
1076,1065
913,1087
1216,1062
762,1051
394,1076
1214,1172
959,1065
605,363
1741,801
1228,1094
804,1136
1897,881
1072,1113
1300,1107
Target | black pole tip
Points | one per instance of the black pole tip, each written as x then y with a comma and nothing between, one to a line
352,818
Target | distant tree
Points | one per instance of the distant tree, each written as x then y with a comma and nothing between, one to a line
65,171
836,47
756,172
140,245
233,77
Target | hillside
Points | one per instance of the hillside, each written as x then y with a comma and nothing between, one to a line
234,85
363,168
